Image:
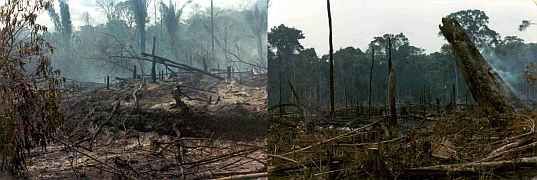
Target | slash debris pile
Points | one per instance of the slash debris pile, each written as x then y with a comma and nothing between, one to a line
135,130
494,139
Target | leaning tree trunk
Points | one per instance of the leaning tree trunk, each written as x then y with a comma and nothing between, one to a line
488,89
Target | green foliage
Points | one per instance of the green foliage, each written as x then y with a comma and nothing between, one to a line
475,22
285,39
420,75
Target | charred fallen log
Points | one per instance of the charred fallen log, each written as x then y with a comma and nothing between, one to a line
474,169
169,63
181,66
488,89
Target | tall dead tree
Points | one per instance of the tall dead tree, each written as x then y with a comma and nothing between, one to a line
139,8
332,85
171,17
369,99
213,57
154,63
488,89
257,19
392,96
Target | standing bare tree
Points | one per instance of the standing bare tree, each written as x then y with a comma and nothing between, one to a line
369,99
139,8
213,57
63,25
171,17
332,85
392,97
258,25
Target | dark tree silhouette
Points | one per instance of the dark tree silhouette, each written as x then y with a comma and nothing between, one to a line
331,60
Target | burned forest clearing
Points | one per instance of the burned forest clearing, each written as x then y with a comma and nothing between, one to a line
264,89
134,129
394,112
133,89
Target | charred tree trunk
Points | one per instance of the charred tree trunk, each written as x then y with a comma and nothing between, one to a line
369,99
332,85
134,74
488,89
154,64
213,57
392,96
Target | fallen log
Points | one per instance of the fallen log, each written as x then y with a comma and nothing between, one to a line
489,90
181,66
246,176
474,168
169,63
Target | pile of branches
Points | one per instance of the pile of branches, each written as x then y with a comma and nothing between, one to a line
145,156
29,111
447,145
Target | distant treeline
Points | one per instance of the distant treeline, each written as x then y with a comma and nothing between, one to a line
300,75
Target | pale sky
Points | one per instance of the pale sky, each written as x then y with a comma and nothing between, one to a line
78,7
356,22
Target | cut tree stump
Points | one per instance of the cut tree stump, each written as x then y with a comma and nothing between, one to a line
489,90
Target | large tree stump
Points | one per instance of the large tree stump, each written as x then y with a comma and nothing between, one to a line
488,89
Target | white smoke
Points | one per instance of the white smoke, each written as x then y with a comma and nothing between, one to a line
504,69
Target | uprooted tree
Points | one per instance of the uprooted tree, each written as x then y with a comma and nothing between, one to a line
488,89
29,112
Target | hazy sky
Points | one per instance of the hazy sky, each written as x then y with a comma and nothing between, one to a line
356,22
78,7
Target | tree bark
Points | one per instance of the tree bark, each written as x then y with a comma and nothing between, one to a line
369,99
488,89
392,96
154,64
213,57
332,84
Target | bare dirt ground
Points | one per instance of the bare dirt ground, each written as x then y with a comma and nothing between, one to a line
133,131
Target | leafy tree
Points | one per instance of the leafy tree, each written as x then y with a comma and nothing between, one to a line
475,22
510,44
285,40
381,42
